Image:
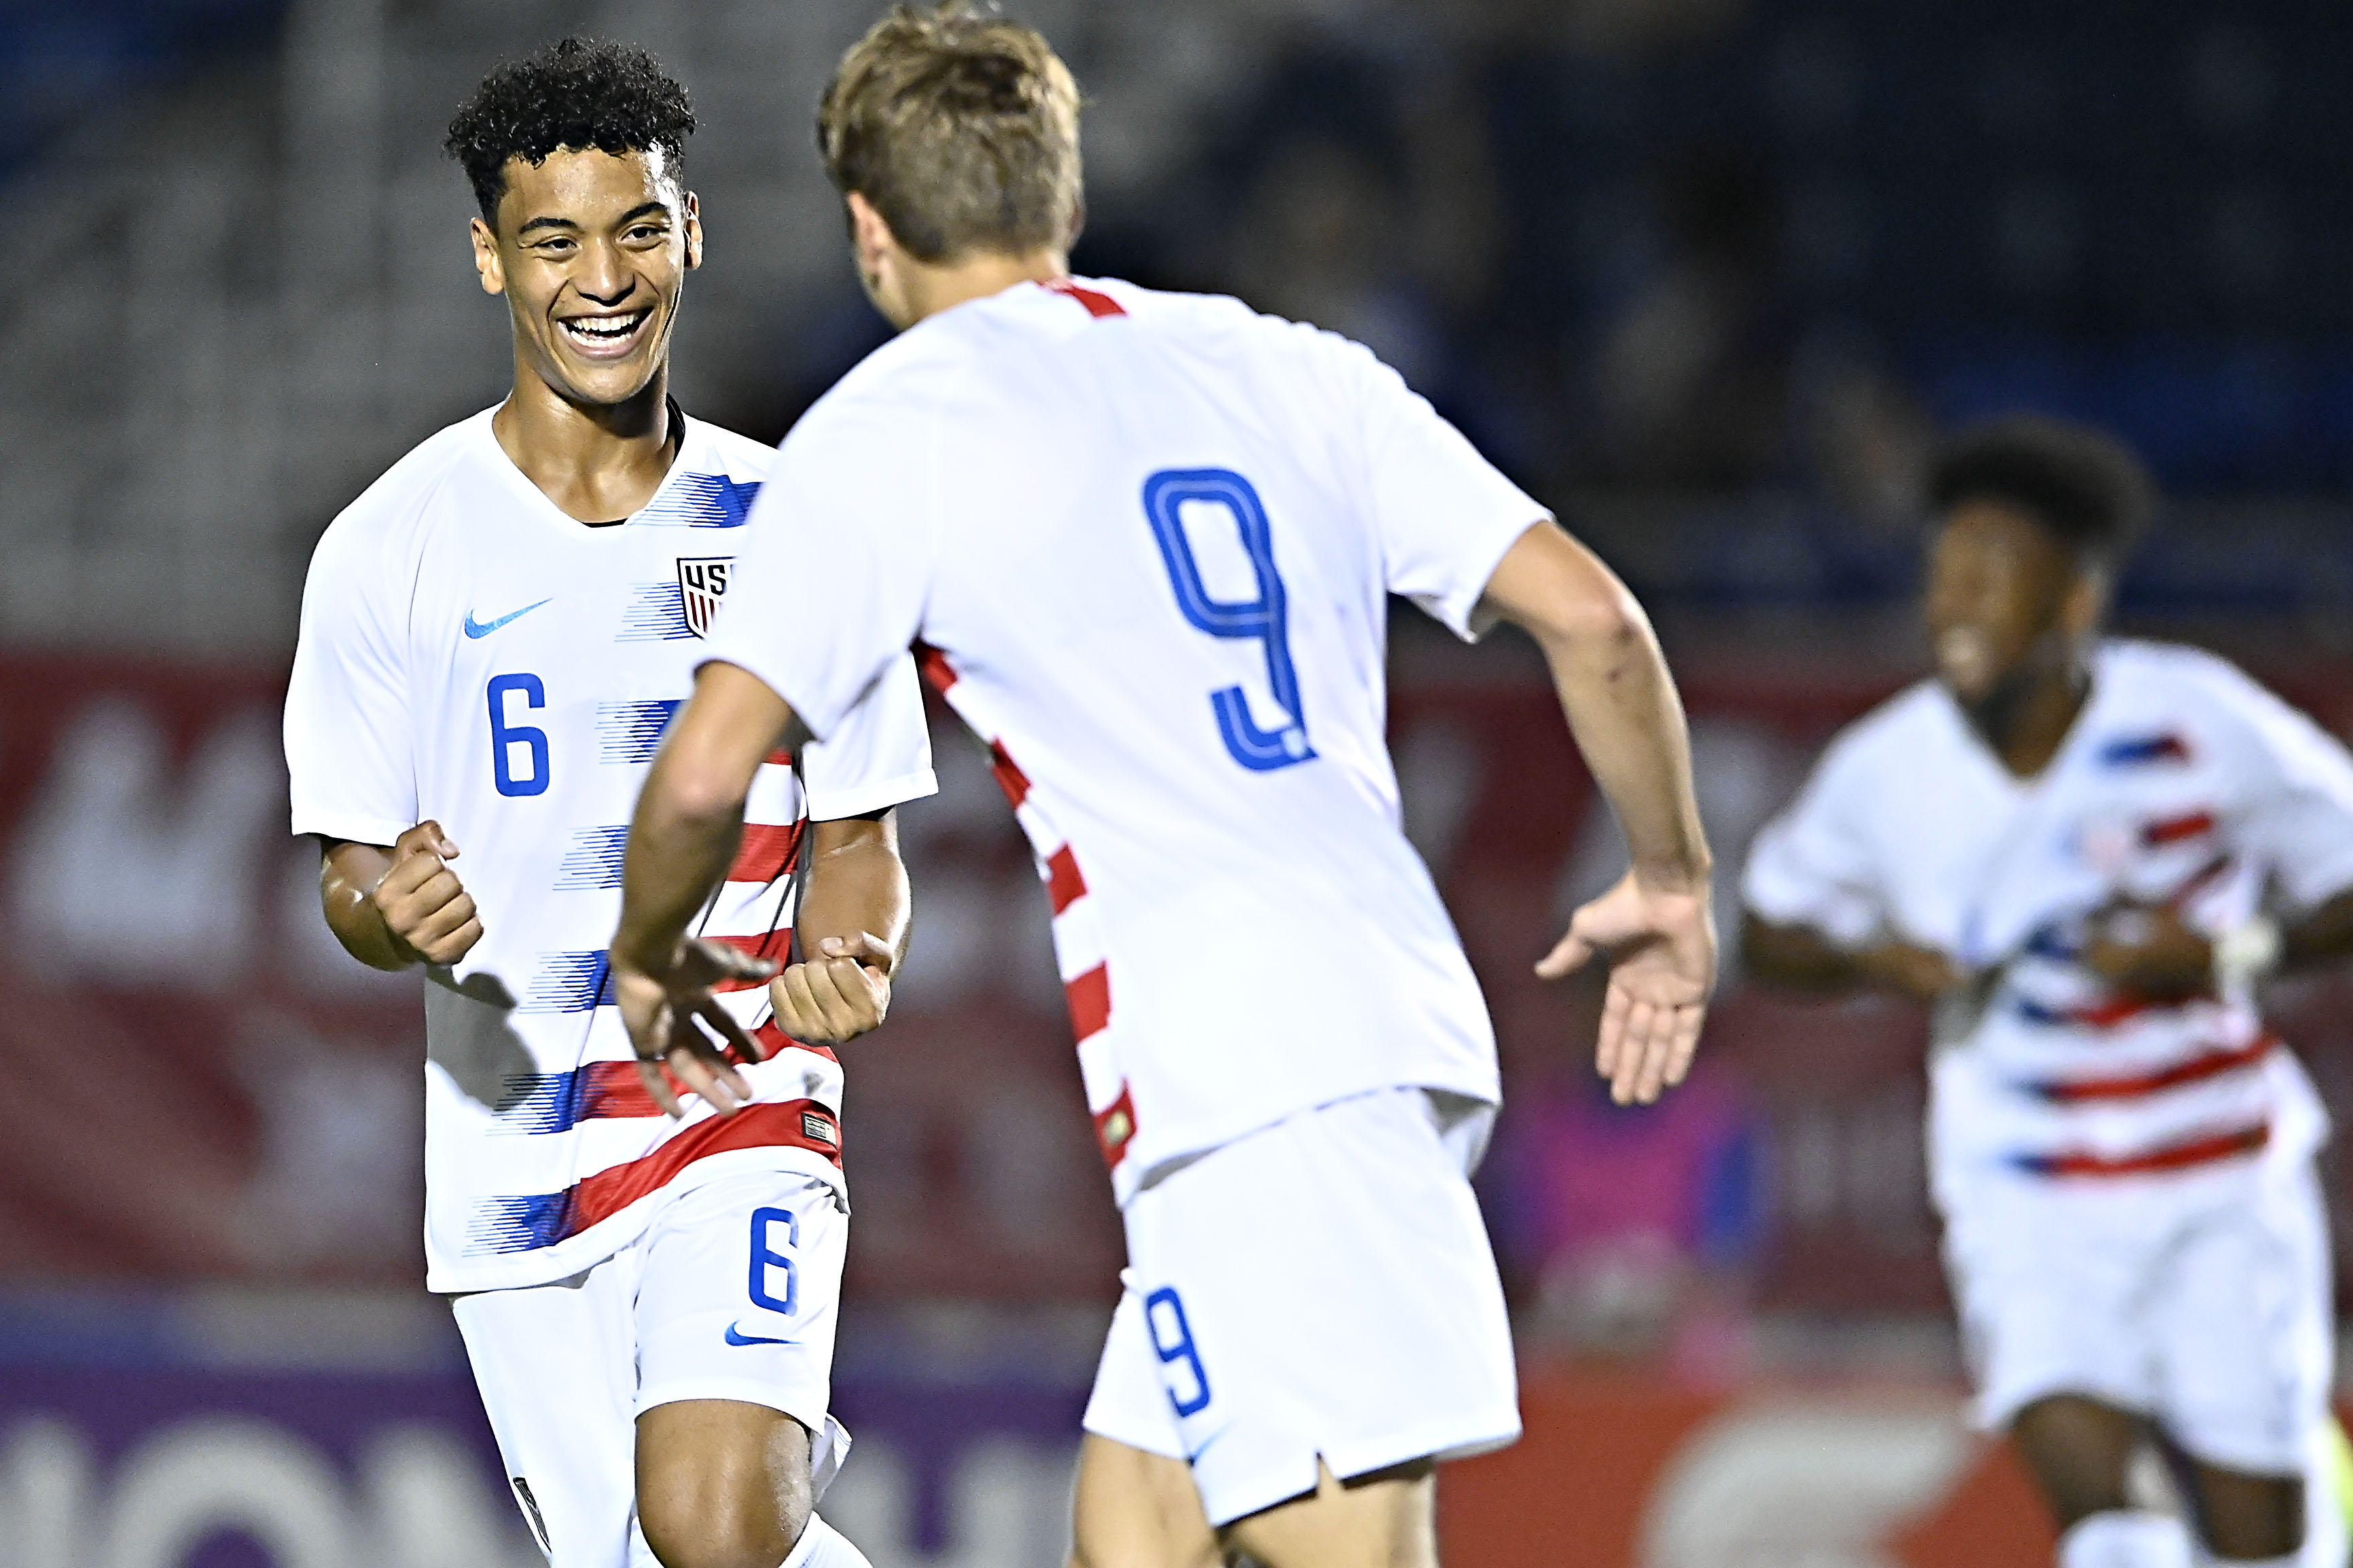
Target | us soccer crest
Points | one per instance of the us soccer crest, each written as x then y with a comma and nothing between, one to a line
701,583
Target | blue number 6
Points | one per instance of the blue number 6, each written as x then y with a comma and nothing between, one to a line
1262,618
765,1256
504,735
1182,1349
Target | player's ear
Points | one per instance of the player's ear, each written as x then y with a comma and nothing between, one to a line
2086,604
693,232
487,266
869,234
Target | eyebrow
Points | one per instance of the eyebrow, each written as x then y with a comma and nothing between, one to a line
634,213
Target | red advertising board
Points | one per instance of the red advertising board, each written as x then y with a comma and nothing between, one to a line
208,1087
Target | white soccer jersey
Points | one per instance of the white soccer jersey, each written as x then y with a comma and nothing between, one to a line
2182,782
1147,540
471,655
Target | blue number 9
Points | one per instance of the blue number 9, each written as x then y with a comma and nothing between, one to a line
504,735
1262,619
765,1256
1180,1348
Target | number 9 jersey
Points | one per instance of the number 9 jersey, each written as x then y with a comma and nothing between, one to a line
472,656
1145,542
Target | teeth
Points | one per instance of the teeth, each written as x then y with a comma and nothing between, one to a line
606,328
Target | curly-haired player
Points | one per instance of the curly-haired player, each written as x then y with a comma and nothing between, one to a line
2084,852
494,638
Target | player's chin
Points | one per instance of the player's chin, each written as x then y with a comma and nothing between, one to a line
602,382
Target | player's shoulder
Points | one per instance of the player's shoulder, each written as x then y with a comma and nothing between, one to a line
2170,672
1221,321
1915,724
717,479
385,516
2200,699
2160,688
901,376
720,450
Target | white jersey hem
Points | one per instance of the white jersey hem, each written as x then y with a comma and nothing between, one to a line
1150,1159
577,1254
835,804
351,829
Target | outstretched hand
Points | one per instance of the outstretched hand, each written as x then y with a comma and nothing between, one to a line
1661,951
659,1011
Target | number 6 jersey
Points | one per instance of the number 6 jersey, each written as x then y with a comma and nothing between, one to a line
1146,541
472,656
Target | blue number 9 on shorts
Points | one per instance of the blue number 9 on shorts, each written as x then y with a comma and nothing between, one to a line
1264,620
765,1256
1179,1349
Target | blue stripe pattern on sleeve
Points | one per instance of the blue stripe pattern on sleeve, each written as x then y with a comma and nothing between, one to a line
699,501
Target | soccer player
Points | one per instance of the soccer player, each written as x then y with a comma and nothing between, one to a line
2083,852
1147,543
493,638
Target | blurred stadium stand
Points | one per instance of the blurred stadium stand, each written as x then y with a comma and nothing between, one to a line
1707,274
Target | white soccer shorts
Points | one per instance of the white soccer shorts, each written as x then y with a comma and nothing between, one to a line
2199,1299
1322,1288
731,1293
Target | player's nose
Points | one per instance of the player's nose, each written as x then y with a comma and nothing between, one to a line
603,279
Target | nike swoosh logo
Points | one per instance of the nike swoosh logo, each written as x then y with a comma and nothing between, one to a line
475,628
735,1339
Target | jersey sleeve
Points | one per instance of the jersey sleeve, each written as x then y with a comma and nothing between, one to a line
1812,867
350,745
2298,816
879,755
1445,514
830,589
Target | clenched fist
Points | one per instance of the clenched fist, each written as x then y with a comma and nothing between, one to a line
425,907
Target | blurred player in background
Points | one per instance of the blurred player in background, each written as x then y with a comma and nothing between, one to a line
2084,852
493,637
1148,542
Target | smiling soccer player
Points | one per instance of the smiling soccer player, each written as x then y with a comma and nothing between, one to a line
494,637
2083,852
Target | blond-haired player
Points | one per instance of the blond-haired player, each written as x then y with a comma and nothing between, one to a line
1147,543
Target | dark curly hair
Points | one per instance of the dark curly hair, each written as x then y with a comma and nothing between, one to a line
580,93
2086,491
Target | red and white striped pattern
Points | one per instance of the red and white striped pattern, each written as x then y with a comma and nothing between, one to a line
1078,950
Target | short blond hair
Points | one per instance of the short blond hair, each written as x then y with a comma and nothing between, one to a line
961,127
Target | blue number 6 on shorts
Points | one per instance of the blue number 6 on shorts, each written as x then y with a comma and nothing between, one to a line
765,1256
1182,1348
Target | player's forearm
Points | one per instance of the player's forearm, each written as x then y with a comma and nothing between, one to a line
1619,698
1629,722
1797,959
857,885
348,874
683,839
2323,936
1801,959
690,816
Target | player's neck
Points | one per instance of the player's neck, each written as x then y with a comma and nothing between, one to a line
925,289
598,462
2027,725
